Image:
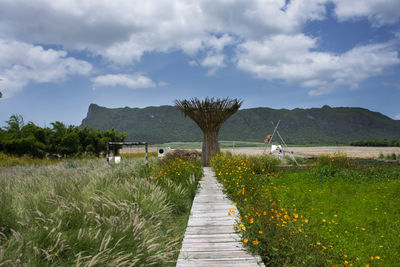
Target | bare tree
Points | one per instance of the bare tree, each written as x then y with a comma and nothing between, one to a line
209,115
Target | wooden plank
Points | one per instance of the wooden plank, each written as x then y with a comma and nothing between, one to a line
210,230
216,263
206,248
210,239
224,254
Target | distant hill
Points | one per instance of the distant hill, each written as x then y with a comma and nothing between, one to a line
300,126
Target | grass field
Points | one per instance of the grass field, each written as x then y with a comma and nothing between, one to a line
88,213
334,213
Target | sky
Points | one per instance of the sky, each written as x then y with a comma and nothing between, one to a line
59,56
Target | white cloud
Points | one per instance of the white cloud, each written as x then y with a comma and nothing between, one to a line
122,30
162,84
218,44
22,63
267,34
322,90
397,117
379,12
213,62
134,81
292,59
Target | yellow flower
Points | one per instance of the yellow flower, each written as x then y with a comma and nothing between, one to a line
234,203
245,240
260,232
244,228
377,257
362,228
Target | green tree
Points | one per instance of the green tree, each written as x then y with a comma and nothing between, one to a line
209,114
70,144
14,125
20,139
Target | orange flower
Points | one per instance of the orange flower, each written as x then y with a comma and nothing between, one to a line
255,242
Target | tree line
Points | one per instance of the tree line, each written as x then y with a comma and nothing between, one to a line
59,140
383,142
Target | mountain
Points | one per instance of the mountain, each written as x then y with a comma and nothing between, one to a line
298,126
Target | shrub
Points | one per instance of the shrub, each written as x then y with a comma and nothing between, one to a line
182,154
391,156
337,160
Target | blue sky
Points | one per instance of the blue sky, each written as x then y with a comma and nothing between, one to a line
57,57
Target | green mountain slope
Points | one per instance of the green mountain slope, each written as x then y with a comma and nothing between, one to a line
316,125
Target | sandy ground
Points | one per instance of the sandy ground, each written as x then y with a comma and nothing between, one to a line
136,149
351,151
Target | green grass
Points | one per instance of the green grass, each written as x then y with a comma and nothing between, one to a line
337,212
88,213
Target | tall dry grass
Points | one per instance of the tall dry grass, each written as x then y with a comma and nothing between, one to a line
88,213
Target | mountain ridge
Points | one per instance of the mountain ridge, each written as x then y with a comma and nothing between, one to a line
160,124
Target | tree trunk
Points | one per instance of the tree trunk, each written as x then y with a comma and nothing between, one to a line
210,145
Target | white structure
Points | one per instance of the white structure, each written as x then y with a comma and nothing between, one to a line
275,147
162,151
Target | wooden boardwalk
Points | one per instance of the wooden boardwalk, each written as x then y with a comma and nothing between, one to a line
210,239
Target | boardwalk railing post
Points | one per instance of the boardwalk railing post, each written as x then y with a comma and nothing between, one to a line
107,151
